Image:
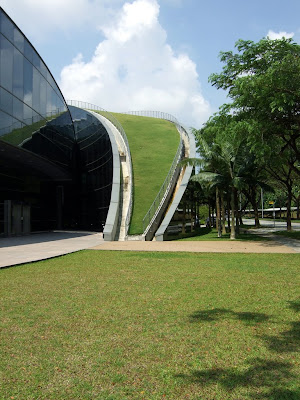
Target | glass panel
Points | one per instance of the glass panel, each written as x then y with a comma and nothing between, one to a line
36,90
18,40
5,123
18,74
6,102
36,61
49,108
27,116
43,69
17,109
6,61
43,97
28,50
28,82
7,28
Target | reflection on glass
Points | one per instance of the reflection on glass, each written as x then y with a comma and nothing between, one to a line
35,117
28,82
18,74
7,27
6,66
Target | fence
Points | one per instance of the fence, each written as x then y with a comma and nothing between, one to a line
153,114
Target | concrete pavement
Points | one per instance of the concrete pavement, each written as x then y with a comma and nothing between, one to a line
40,246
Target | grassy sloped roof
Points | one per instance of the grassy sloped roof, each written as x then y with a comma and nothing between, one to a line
153,144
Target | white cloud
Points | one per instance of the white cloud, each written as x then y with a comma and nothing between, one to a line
279,35
134,68
39,18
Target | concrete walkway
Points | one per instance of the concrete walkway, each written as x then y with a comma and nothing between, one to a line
40,246
223,246
20,250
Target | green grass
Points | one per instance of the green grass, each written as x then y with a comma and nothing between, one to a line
289,234
153,145
133,325
212,234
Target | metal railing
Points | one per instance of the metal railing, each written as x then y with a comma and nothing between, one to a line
155,207
157,203
116,123
153,114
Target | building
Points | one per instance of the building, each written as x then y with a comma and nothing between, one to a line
59,164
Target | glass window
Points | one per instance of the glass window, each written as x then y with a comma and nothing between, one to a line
43,69
17,109
18,74
6,61
36,61
6,102
36,90
7,28
28,50
28,82
5,123
27,114
43,97
18,40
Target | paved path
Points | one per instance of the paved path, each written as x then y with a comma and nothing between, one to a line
268,226
40,246
19,250
223,246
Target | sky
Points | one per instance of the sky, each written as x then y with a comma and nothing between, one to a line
147,54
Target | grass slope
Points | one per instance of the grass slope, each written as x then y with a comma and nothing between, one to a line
153,145
133,325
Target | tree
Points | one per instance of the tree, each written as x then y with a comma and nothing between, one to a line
263,82
222,145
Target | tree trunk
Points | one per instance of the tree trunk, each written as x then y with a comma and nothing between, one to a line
228,211
192,218
183,218
288,210
298,207
237,229
255,208
223,214
218,209
232,229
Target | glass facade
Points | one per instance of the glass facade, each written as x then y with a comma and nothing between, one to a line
57,162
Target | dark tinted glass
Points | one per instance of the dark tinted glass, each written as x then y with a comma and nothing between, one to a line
34,117
6,101
6,60
28,82
19,40
28,50
18,82
7,28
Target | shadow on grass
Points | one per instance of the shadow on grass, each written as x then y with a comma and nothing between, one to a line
217,313
294,305
266,378
287,341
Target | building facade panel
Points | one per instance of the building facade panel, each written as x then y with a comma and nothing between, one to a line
55,163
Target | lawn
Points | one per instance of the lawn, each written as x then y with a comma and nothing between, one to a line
133,325
212,234
153,144
289,234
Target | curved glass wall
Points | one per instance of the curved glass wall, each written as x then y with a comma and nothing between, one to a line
58,169
31,105
95,165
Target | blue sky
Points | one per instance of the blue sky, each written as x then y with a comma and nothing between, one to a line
146,54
